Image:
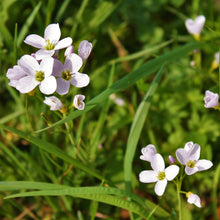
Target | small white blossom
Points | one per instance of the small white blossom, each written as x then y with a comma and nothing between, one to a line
159,174
193,199
211,99
78,102
84,50
148,152
36,74
189,156
54,103
195,26
50,43
67,74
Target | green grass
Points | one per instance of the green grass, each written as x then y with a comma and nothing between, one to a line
85,164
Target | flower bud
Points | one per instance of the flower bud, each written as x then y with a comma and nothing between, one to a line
78,102
84,49
171,159
211,99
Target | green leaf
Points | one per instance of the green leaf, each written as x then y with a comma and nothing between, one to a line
145,70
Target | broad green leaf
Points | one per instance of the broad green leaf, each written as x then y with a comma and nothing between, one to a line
136,129
145,70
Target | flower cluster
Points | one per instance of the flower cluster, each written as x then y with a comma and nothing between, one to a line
45,70
187,156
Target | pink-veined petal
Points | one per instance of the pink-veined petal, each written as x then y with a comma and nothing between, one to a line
42,53
188,146
15,73
62,86
181,155
52,33
157,162
26,84
29,64
203,164
46,66
171,172
57,68
148,176
69,50
35,40
48,85
65,42
160,187
73,63
148,152
194,152
190,171
80,80
194,199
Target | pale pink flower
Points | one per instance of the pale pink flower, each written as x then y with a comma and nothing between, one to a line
195,26
189,156
159,174
148,152
211,99
78,102
193,199
50,43
84,50
54,103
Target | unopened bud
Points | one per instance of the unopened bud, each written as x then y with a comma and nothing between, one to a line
84,49
171,159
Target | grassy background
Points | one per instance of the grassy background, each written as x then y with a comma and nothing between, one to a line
129,40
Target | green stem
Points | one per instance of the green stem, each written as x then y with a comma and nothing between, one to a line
178,186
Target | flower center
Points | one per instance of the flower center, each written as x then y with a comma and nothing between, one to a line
39,76
161,175
191,163
49,45
66,75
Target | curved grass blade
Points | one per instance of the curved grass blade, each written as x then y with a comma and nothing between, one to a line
101,194
50,148
136,129
145,70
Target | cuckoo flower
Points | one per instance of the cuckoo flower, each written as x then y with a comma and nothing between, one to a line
67,74
36,74
159,174
50,43
78,102
211,99
193,199
195,26
189,156
84,49
148,152
54,103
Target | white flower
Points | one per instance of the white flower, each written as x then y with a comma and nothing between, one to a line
36,74
50,43
148,152
159,174
193,199
84,49
211,99
14,75
67,74
78,102
189,156
195,26
54,103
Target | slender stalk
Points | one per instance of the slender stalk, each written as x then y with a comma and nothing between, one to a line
178,186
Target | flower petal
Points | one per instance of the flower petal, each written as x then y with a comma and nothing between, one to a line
78,102
160,187
29,64
190,171
181,155
80,80
73,63
35,40
148,152
57,68
48,85
66,42
62,86
194,199
203,164
26,84
148,176
52,33
194,152
42,53
157,163
188,146
46,66
171,172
